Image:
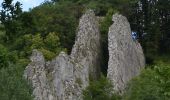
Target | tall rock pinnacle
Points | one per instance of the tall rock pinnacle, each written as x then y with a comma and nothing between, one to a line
126,57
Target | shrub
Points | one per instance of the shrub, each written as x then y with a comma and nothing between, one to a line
152,84
100,90
47,54
37,42
49,45
3,57
12,84
52,41
13,56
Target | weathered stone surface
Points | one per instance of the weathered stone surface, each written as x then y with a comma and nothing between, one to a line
35,73
126,57
60,77
86,51
65,77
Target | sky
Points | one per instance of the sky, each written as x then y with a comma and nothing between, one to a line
26,4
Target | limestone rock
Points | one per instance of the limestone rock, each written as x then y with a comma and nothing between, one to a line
60,77
126,57
35,73
86,50
66,76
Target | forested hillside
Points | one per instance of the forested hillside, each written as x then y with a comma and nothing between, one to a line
51,27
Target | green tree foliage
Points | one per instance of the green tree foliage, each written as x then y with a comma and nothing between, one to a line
12,84
36,41
59,18
51,27
152,84
3,57
2,33
101,7
9,15
100,90
49,45
150,19
27,24
52,42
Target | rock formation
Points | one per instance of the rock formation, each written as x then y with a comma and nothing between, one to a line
86,51
66,76
36,75
126,57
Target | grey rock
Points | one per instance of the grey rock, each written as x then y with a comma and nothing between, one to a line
60,76
126,57
65,77
85,54
86,50
35,73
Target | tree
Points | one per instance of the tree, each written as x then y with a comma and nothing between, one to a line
150,20
3,57
12,84
9,15
52,42
100,90
151,84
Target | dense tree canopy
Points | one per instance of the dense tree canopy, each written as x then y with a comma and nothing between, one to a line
151,20
51,28
8,17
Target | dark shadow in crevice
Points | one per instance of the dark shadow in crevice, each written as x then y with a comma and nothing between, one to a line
105,57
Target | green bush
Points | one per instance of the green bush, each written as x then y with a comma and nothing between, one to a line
60,18
13,56
3,57
36,42
152,84
52,42
12,84
47,54
100,90
49,45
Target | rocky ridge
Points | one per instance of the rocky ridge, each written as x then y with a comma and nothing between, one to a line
66,76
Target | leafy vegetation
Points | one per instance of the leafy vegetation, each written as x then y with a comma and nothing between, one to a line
12,84
3,57
51,27
151,84
99,90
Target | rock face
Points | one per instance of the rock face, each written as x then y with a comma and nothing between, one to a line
86,52
35,73
126,57
66,76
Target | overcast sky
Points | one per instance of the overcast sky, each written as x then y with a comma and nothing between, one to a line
27,3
